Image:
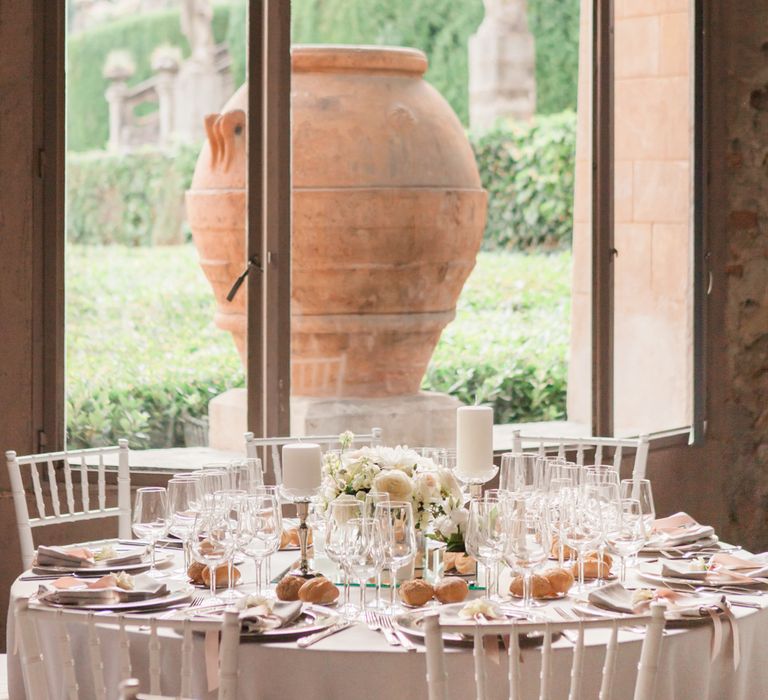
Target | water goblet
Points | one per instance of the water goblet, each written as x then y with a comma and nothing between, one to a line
640,490
486,537
212,542
340,512
626,534
365,551
150,518
399,538
371,499
528,543
184,502
583,527
262,527
230,501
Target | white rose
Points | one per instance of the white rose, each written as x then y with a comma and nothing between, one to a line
426,486
395,483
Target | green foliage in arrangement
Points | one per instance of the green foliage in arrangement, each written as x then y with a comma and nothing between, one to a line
141,345
134,199
555,28
87,110
528,170
508,346
142,348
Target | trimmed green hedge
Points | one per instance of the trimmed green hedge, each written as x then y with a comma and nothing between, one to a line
440,28
528,170
87,109
135,199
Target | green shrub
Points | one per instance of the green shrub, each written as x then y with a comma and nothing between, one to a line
528,170
141,345
133,199
87,110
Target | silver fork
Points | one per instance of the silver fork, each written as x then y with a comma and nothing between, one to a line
386,624
374,625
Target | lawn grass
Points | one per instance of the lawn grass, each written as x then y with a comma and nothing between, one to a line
141,345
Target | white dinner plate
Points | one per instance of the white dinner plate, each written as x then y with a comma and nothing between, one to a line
160,560
313,618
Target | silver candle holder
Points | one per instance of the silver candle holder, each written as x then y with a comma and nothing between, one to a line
301,501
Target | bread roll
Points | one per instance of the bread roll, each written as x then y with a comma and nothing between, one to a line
318,590
222,578
465,564
540,587
195,572
451,589
416,592
568,552
593,568
288,587
285,539
560,580
606,558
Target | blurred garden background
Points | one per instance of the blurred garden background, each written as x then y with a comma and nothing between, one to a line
131,266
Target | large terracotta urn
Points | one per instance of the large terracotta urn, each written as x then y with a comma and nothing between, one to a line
388,216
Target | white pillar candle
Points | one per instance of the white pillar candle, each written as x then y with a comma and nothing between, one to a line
474,441
302,468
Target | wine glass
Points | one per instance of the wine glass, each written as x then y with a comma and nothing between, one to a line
561,491
640,490
150,518
230,501
212,542
184,502
583,526
262,525
371,499
626,533
521,473
601,473
486,537
604,488
213,480
365,551
399,537
340,512
270,490
529,541
246,474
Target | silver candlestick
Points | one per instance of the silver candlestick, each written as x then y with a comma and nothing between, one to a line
302,510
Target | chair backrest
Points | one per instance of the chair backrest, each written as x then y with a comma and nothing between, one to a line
327,442
59,623
647,667
599,445
77,504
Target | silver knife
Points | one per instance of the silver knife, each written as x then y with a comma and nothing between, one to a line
310,639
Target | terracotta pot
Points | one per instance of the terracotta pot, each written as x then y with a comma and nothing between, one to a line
388,216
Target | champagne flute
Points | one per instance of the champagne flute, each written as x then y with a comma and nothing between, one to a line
365,551
626,533
150,518
529,542
184,502
486,537
262,525
340,512
399,537
371,499
212,542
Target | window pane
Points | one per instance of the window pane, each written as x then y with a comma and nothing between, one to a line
653,203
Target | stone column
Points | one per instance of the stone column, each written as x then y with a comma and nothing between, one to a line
118,70
502,83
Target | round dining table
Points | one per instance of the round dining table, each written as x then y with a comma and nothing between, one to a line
358,663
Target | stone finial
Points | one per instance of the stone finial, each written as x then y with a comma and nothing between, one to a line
166,58
119,66
196,18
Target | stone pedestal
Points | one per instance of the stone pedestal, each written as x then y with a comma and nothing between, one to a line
423,419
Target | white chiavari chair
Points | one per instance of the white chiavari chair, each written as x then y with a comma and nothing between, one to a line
35,664
72,466
326,442
599,446
437,678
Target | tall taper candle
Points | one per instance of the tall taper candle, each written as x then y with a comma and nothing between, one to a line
474,441
302,468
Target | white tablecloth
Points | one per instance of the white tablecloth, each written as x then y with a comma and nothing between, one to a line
358,664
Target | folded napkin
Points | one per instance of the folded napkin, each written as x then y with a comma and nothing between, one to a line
262,619
754,565
719,576
677,529
73,557
72,591
614,597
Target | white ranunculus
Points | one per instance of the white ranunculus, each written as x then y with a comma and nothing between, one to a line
459,517
395,483
445,526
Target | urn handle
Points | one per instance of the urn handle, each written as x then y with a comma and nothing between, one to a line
223,131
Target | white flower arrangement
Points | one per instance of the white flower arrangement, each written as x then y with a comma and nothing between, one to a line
399,471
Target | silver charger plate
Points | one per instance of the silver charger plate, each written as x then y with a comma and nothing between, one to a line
313,618
674,618
168,600
672,581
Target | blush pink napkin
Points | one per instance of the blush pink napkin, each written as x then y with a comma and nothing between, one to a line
672,524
